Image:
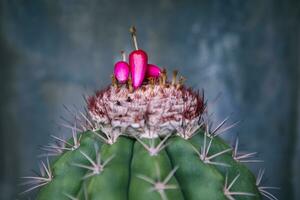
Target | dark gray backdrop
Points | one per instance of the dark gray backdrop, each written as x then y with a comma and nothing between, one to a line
52,52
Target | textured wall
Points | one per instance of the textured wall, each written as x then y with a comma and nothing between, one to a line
52,52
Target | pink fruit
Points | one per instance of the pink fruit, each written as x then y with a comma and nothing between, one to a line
138,61
121,71
153,71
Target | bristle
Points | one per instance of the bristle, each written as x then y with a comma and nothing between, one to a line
129,84
175,72
164,76
38,181
151,82
180,82
152,148
160,186
114,81
96,166
204,151
230,194
243,157
264,189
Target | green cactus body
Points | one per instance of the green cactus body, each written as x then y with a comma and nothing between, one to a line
144,169
153,142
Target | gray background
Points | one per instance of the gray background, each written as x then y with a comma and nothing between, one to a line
52,52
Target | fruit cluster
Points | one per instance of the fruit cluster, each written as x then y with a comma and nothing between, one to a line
138,67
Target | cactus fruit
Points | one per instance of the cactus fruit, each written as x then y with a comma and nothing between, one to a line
153,71
121,70
146,140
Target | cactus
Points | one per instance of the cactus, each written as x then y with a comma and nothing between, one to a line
146,140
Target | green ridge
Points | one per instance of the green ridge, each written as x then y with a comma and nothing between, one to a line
123,178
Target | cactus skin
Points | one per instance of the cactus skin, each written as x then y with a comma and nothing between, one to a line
123,177
67,178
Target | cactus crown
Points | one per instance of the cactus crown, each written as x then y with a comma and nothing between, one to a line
154,108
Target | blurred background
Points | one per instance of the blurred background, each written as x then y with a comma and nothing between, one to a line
244,52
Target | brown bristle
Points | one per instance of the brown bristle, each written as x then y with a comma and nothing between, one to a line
151,82
164,76
180,82
175,72
114,81
129,84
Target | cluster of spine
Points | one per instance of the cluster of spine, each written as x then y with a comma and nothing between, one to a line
149,139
